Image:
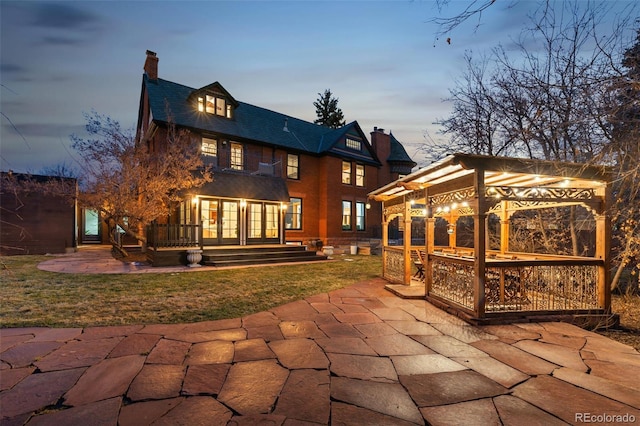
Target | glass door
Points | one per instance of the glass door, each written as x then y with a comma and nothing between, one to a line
230,223
90,226
209,222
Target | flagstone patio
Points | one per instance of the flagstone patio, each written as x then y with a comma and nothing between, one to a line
355,356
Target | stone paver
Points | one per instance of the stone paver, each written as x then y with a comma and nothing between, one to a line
107,379
429,390
252,387
157,382
481,412
363,367
305,397
551,395
386,398
355,356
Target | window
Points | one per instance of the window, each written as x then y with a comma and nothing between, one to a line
360,211
293,217
346,215
354,144
359,175
293,166
346,172
237,157
209,147
214,105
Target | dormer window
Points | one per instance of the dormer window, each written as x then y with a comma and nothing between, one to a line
353,144
214,105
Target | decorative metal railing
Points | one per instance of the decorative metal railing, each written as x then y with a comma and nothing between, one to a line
522,285
453,280
173,235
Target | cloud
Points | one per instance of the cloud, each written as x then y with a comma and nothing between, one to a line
63,16
44,129
64,24
12,68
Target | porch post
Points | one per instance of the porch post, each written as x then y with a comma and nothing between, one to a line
479,243
407,241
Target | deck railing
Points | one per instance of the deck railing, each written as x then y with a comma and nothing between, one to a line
173,235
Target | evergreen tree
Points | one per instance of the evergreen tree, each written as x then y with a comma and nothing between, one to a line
327,111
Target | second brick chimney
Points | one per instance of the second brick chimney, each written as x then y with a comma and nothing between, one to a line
151,65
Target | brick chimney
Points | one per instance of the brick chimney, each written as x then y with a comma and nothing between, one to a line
381,144
151,65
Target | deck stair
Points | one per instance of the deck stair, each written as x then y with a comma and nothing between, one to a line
258,255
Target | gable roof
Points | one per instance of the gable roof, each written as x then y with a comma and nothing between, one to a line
171,101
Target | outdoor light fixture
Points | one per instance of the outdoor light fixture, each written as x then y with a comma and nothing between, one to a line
243,203
368,206
194,199
450,228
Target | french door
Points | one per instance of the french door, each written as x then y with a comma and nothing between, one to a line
220,221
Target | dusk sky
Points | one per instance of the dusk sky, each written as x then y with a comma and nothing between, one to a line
381,59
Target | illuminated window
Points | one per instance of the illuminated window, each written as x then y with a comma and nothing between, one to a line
293,217
346,215
360,214
346,172
214,105
210,106
293,166
209,147
237,157
359,175
353,144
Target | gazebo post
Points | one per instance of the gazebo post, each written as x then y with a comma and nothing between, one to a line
479,243
603,251
504,227
385,240
407,242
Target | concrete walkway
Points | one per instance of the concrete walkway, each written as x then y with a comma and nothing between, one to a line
355,356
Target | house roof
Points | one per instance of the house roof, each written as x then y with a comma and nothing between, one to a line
398,153
171,101
251,187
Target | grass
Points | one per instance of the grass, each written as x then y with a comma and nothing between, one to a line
31,297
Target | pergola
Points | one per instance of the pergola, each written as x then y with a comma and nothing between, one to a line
485,285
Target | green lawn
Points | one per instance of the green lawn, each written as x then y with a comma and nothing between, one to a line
31,297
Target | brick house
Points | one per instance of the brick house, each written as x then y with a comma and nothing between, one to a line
277,178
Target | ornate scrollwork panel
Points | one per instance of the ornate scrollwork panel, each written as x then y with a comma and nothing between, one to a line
394,266
541,288
540,193
458,196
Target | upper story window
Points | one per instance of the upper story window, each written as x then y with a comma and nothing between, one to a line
354,144
209,147
214,105
237,156
359,175
293,166
346,172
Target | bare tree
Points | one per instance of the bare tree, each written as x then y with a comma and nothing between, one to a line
549,94
129,184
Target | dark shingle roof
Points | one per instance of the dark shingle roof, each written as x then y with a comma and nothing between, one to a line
249,122
398,153
251,187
